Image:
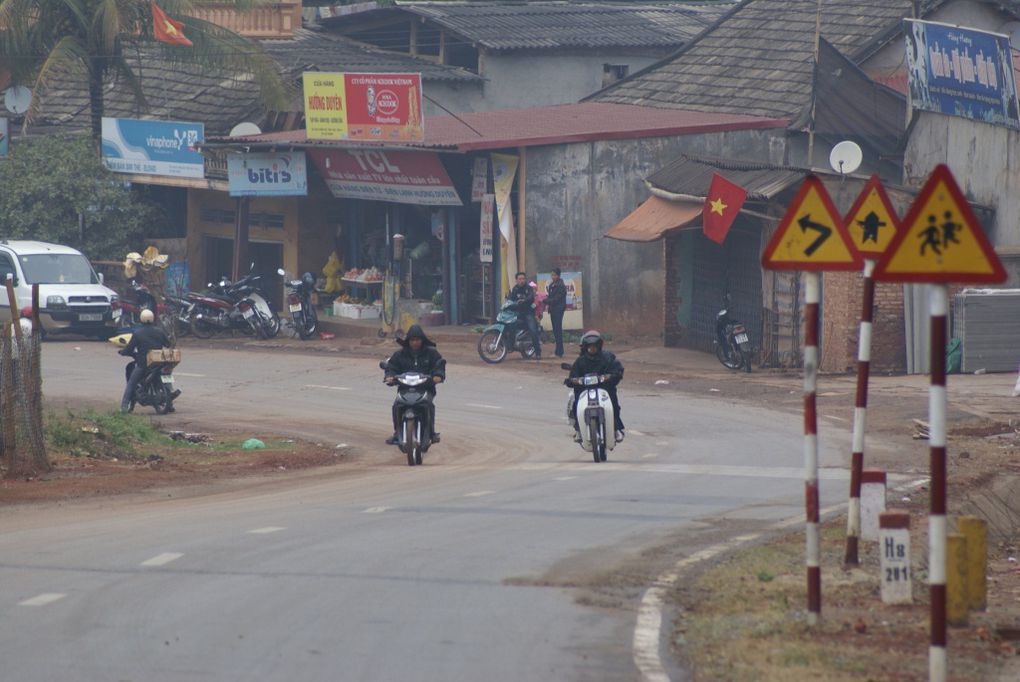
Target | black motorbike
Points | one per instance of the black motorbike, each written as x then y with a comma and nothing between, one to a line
299,302
415,403
506,335
156,389
732,342
240,305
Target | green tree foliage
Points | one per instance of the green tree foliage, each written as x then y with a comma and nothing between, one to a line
48,182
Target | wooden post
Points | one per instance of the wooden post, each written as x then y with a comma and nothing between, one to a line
853,518
937,659
813,553
522,214
7,415
12,301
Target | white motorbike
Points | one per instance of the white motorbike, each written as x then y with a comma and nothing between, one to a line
593,413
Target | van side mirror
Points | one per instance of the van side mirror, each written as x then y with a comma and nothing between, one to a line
102,280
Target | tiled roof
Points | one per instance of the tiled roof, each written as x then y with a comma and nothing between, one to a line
552,125
691,176
320,51
757,59
565,25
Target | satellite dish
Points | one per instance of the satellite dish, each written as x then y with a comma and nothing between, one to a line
17,99
846,157
246,129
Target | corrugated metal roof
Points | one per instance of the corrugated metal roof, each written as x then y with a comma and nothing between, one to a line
691,176
654,219
553,125
561,25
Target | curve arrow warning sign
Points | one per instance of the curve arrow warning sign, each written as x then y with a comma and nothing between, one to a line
941,240
811,235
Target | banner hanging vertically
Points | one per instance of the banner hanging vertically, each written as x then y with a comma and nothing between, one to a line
504,169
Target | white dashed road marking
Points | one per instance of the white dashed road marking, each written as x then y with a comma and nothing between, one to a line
328,388
161,559
43,599
376,510
266,530
650,455
484,406
565,478
188,374
480,493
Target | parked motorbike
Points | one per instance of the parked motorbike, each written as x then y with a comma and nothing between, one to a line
414,400
240,305
732,342
178,315
136,299
505,336
593,412
299,302
156,389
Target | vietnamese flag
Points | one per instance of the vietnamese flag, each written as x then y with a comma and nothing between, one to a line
722,204
166,30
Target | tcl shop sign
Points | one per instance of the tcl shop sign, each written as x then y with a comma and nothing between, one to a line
402,177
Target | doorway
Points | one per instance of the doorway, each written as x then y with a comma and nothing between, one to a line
267,257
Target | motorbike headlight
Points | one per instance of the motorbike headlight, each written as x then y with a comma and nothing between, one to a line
55,302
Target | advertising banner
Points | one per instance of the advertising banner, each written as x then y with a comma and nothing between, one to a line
167,148
479,178
504,168
485,233
398,176
325,111
573,318
274,174
380,107
961,72
4,133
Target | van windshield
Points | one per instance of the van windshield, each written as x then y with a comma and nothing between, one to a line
58,268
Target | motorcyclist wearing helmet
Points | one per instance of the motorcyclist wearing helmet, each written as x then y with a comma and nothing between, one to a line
524,296
594,360
418,354
145,338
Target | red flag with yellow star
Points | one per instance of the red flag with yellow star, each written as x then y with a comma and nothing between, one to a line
166,30
722,204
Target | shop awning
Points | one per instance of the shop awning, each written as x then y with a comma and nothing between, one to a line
653,219
402,177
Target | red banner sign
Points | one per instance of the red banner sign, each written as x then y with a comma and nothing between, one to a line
397,176
384,106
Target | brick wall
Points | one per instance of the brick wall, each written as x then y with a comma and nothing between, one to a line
841,322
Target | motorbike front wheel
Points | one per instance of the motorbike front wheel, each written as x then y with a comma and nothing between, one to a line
412,441
270,325
731,360
490,348
202,329
598,445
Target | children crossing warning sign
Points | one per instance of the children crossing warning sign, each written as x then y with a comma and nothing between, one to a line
872,221
941,240
811,236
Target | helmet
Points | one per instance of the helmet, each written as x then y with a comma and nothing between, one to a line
308,279
589,338
146,316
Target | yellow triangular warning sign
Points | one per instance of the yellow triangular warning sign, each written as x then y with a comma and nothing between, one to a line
941,240
872,222
811,235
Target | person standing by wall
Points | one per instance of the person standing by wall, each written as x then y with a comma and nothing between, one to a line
556,304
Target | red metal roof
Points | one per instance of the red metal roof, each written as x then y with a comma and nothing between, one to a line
551,125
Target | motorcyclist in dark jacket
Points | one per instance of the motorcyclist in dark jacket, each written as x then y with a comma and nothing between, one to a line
524,296
594,360
143,339
417,354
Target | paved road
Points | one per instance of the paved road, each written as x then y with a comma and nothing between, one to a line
508,556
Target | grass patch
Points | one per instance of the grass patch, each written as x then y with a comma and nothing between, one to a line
102,434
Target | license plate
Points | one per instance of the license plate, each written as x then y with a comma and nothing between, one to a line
167,378
247,313
90,317
295,308
741,338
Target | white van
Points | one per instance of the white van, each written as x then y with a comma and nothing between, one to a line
72,297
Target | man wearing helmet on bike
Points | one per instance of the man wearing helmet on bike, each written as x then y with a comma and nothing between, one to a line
594,360
143,339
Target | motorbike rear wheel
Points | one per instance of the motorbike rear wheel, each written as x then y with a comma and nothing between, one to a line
270,326
159,394
732,360
202,329
490,349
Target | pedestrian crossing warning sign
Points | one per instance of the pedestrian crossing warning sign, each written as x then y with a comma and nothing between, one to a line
811,235
941,240
872,221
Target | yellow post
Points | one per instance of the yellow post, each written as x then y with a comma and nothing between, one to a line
976,532
956,579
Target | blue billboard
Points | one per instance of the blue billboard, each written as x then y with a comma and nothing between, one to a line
167,148
273,174
961,72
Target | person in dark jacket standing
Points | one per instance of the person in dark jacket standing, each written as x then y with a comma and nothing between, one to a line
524,296
417,354
556,303
143,339
594,360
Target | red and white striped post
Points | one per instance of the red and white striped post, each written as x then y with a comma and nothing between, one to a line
853,519
937,401
812,298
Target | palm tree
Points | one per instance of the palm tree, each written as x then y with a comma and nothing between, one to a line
42,41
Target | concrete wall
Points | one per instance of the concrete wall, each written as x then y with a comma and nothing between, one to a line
576,192
985,159
457,97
